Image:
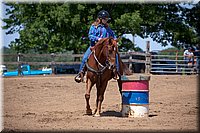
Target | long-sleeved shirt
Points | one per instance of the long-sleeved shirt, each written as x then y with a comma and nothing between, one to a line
99,32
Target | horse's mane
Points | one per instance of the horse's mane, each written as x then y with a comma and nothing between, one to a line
103,41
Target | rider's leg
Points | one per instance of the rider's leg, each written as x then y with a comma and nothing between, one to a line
117,62
198,65
116,72
81,73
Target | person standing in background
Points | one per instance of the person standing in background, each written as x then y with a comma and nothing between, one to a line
197,55
188,57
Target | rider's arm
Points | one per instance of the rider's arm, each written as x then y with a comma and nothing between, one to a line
111,32
92,34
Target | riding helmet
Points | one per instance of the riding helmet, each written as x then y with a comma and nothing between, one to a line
103,14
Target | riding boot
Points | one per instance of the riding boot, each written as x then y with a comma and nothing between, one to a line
80,76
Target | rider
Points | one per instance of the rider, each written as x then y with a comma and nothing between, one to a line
98,30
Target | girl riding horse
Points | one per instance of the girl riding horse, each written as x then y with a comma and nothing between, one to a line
98,30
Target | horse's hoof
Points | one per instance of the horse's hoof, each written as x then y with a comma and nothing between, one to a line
89,112
94,111
96,115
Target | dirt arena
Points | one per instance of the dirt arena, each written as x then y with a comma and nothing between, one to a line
57,103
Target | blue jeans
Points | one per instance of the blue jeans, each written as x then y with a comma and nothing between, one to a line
87,54
198,64
117,62
85,57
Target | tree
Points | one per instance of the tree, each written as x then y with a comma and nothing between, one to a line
193,19
59,27
166,23
173,24
47,27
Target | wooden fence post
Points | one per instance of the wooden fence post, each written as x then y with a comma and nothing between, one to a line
130,63
19,69
53,63
176,61
148,58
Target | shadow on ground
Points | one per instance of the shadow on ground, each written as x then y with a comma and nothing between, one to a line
111,113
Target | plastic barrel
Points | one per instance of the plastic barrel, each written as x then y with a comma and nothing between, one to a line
135,98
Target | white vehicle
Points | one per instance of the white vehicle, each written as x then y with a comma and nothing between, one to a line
2,69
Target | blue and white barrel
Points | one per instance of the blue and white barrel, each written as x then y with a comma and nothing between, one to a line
135,98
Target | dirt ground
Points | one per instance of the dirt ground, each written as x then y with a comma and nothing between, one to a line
57,103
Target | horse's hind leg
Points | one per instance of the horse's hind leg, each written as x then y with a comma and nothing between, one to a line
119,81
87,96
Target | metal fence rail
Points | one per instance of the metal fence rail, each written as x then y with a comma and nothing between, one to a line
165,64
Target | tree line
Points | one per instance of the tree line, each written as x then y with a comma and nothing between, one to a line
61,27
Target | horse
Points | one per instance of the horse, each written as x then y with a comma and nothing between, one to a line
100,68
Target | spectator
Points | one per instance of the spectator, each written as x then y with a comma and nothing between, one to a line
197,55
189,57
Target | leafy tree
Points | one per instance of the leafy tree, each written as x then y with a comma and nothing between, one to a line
193,19
6,50
59,27
126,44
46,27
166,24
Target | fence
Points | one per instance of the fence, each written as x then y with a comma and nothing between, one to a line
137,61
165,64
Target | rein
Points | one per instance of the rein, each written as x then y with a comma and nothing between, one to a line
100,71
97,59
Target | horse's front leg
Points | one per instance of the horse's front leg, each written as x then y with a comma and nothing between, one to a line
100,97
87,96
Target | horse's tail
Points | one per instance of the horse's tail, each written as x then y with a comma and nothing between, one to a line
123,67
126,70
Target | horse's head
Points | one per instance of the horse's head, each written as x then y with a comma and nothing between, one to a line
107,52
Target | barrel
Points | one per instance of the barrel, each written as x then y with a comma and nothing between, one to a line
135,97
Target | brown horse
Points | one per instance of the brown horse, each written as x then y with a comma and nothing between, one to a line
101,67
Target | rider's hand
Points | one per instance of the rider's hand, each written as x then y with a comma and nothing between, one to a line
92,48
99,39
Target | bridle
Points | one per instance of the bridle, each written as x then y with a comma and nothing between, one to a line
102,67
95,57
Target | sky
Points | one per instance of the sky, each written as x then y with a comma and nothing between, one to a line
139,42
6,39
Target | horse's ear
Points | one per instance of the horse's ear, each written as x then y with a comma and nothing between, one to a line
118,39
110,40
114,41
